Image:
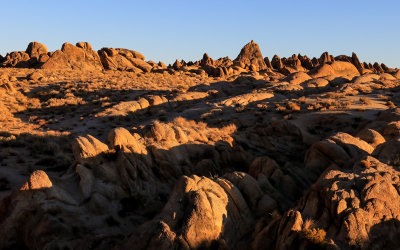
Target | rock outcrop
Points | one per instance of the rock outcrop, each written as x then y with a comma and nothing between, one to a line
18,59
79,57
123,59
201,212
357,63
36,50
251,55
337,68
346,208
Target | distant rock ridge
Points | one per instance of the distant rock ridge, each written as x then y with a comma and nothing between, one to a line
81,56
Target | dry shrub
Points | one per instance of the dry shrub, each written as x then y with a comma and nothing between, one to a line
365,164
327,102
343,105
315,236
365,100
335,95
308,224
390,104
292,106
383,97
262,106
302,100
280,108
240,109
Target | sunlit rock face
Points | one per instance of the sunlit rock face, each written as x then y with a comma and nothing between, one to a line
105,150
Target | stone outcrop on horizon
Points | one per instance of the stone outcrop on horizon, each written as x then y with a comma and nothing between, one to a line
123,59
250,56
82,57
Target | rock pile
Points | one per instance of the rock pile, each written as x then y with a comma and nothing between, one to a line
80,57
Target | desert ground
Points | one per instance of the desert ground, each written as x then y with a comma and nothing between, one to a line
106,150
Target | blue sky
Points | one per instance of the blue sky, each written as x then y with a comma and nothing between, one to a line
168,30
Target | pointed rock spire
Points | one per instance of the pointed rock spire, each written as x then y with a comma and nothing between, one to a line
251,55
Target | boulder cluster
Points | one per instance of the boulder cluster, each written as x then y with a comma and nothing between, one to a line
161,191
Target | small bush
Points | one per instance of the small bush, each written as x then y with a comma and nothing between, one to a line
315,236
365,100
390,104
292,106
365,164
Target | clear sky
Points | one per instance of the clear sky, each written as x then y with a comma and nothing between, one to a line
185,29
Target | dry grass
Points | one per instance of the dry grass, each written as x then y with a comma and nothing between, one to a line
50,151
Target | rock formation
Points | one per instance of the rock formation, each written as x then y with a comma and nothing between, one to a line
251,55
80,57
123,59
18,59
356,62
36,50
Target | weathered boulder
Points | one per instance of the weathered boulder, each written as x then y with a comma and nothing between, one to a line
389,152
86,148
340,150
277,62
123,59
35,50
19,59
315,83
200,212
371,136
365,78
297,78
37,180
346,208
34,76
391,130
337,68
